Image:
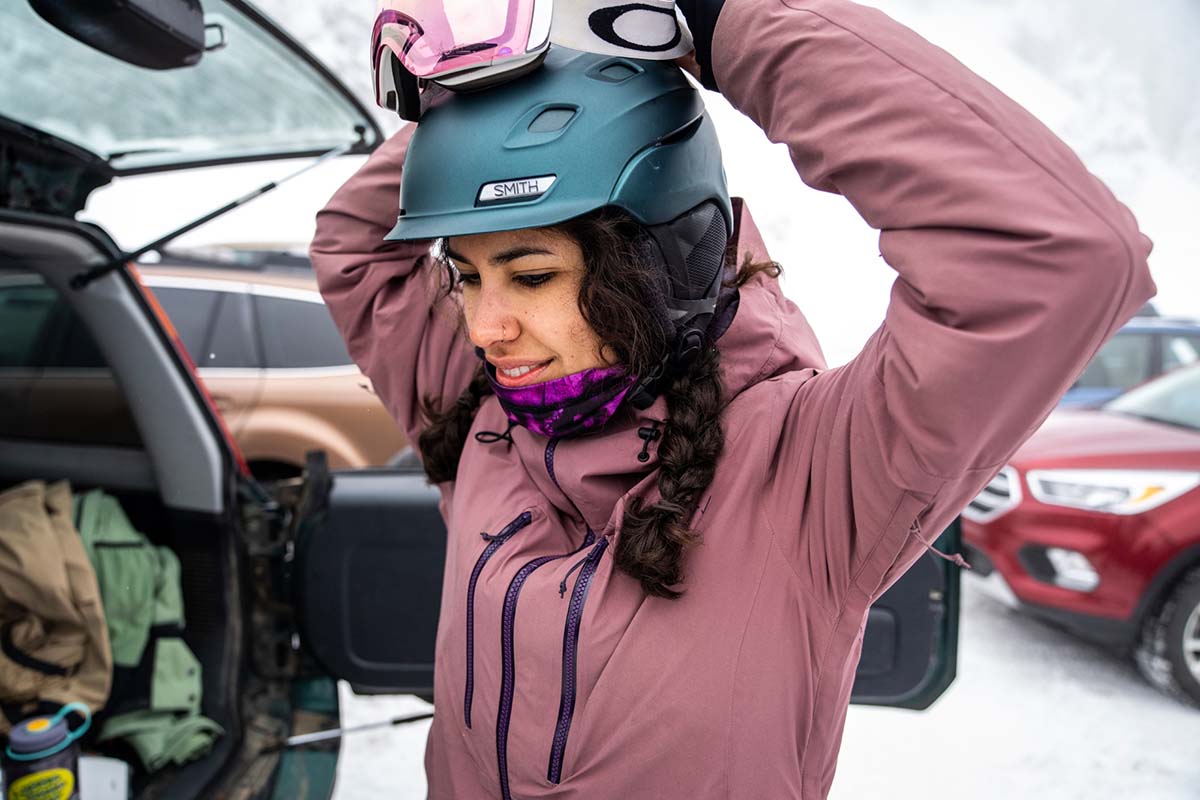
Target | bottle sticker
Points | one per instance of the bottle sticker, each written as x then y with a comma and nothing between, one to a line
51,784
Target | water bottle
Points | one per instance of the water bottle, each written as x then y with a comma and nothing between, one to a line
41,761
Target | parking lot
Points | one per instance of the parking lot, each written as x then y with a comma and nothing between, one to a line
1034,713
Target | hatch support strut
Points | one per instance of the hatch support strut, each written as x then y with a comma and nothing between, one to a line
82,279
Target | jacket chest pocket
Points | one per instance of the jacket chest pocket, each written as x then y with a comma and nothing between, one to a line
494,543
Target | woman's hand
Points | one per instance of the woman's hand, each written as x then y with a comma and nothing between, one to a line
701,16
690,65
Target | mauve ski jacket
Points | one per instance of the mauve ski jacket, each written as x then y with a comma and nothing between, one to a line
557,677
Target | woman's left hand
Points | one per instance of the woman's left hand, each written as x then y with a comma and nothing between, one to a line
701,16
689,64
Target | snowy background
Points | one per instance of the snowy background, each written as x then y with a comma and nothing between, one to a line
1119,86
1034,713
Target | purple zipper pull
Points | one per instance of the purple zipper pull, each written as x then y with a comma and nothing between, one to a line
562,587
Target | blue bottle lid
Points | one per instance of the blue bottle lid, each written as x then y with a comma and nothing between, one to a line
41,737
36,734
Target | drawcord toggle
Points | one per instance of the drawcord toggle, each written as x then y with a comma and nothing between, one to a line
649,433
954,558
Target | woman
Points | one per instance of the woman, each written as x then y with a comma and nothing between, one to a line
669,602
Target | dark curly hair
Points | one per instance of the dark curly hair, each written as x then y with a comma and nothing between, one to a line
612,299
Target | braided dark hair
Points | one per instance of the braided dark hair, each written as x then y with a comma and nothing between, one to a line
654,538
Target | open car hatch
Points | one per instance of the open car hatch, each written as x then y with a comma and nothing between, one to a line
78,117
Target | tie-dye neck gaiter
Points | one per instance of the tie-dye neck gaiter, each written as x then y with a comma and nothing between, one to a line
572,405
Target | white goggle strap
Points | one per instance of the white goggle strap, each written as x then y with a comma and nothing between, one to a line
649,29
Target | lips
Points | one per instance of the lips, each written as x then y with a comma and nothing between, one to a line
533,373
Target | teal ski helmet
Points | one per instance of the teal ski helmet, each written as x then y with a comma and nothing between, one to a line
581,133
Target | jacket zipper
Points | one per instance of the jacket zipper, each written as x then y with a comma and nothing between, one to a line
551,446
566,703
494,543
508,667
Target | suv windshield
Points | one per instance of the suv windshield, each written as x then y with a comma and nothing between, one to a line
1174,399
253,98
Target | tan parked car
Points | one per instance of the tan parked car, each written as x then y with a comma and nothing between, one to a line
268,352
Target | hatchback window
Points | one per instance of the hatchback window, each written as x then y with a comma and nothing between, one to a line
1121,363
1180,350
55,385
299,334
254,97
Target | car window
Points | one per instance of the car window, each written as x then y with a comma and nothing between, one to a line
299,333
1179,350
191,312
25,309
1172,398
55,384
233,342
1121,363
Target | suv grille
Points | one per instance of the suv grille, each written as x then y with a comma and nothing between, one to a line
1000,496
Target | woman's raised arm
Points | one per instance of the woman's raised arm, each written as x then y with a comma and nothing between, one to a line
1015,264
382,296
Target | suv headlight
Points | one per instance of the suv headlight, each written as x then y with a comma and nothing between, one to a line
1112,491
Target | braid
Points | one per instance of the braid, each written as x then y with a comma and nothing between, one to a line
441,443
654,539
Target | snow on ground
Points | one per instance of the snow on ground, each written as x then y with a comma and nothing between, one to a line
1034,713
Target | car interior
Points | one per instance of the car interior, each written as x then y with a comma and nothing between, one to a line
170,475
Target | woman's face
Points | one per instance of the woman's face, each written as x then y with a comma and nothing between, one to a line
520,292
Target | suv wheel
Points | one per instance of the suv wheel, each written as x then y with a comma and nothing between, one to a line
1168,652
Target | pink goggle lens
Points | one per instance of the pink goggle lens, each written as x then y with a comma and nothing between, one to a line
432,38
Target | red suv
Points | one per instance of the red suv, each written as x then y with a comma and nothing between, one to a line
1095,525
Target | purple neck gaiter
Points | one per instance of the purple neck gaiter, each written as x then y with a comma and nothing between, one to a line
568,406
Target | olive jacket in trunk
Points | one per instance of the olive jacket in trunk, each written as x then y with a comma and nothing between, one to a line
557,676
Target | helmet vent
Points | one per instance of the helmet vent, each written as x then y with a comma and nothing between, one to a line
552,119
617,72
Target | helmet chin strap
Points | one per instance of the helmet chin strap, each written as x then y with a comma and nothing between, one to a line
688,345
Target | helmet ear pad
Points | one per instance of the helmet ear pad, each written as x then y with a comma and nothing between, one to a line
691,250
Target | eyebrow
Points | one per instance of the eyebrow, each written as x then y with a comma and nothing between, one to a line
505,256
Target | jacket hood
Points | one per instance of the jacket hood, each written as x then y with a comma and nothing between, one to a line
769,335
593,476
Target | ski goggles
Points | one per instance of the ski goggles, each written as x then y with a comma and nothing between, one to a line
458,43
470,44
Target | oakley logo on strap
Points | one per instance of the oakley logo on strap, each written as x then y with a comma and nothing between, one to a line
604,22
516,189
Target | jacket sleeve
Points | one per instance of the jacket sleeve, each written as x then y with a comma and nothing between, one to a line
1014,265
383,297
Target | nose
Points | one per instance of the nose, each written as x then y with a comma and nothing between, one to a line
490,318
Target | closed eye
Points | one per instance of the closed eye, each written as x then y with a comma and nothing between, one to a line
533,280
525,279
